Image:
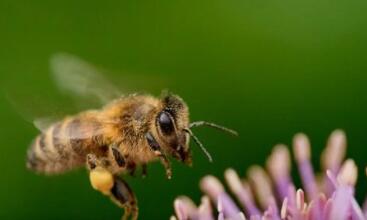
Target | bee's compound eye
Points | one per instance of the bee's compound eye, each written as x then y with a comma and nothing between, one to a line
165,122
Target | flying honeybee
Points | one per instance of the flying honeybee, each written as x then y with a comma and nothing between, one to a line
128,132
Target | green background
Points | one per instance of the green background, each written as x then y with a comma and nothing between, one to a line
266,68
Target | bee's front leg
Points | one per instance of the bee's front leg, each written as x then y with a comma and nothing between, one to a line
154,146
166,164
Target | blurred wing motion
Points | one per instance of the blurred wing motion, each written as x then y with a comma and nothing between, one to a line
81,81
33,108
72,75
42,124
80,78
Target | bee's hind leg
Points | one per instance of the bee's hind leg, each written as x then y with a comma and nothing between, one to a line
113,186
123,196
100,178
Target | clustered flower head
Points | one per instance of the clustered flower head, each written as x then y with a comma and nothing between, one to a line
271,194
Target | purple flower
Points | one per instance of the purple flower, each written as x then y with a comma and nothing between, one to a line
271,194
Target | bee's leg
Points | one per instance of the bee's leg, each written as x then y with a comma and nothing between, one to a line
92,161
117,156
166,164
100,178
120,161
112,162
103,168
131,167
123,196
158,152
113,186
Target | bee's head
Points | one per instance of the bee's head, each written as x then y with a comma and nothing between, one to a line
172,129
171,122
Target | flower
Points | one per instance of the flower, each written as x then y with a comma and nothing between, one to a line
271,194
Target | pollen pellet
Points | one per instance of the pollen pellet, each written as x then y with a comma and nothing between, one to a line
101,180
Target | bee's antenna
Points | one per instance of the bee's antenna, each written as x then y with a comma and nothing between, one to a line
209,124
197,141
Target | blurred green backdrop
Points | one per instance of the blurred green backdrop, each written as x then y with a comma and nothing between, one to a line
266,68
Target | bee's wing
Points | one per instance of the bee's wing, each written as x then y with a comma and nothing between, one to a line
80,80
40,109
76,76
43,123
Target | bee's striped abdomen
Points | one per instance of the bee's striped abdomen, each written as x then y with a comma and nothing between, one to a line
62,146
42,153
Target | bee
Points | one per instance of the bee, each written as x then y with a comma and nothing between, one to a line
126,133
